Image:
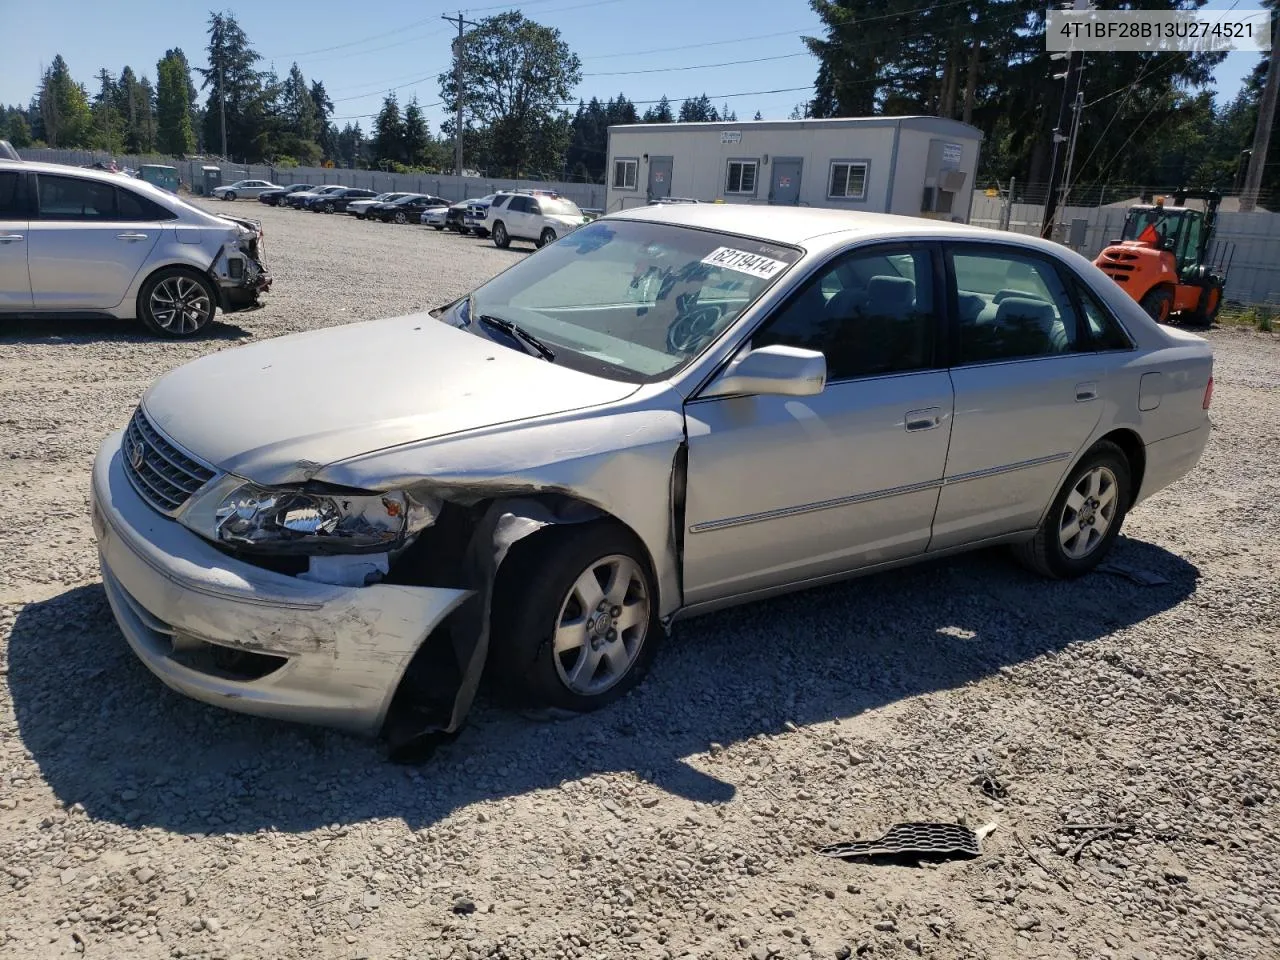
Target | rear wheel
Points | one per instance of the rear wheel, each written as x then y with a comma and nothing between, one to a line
229,195
328,207
176,303
576,618
437,227
1158,303
548,236
400,217
1085,518
1210,304
500,236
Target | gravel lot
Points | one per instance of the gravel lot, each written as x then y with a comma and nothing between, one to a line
680,822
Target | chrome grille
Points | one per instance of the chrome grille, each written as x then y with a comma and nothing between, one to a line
164,475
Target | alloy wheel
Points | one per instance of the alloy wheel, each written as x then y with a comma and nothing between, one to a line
400,218
1088,513
602,625
180,305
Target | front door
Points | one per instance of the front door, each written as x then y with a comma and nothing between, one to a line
1029,393
785,188
659,177
82,254
786,489
15,285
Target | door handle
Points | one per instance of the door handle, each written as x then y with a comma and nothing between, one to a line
11,237
1086,392
926,419
131,237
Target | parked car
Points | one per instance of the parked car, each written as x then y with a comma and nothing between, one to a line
405,209
437,216
251,189
673,409
453,219
475,219
336,202
88,241
7,152
297,200
542,219
276,197
360,208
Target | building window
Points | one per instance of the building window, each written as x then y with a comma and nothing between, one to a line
624,174
741,177
848,180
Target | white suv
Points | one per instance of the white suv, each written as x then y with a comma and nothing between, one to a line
76,241
542,219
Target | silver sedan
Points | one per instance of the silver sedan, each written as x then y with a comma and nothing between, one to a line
670,410
75,241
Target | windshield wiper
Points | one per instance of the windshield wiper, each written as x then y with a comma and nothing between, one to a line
528,342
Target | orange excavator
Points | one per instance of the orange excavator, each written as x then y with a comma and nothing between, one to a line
1162,258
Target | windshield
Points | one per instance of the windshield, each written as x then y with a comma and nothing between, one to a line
629,300
558,207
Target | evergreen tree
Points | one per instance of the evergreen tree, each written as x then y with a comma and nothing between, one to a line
417,138
698,110
232,78
659,112
174,132
63,106
389,133
108,127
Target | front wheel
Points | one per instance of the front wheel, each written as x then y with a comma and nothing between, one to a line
401,218
1209,307
576,618
1158,303
328,208
1085,518
500,236
176,303
548,236
229,195
438,227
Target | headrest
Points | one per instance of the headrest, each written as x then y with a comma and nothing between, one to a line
1002,295
1039,312
891,293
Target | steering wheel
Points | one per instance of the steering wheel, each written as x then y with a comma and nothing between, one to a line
689,330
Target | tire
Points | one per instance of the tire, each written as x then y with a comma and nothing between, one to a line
1158,303
543,585
400,217
500,236
229,195
1209,307
437,228
328,208
548,236
175,285
1058,552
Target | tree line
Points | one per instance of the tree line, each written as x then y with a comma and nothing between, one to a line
1148,118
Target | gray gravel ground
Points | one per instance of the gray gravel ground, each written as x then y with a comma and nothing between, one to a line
136,823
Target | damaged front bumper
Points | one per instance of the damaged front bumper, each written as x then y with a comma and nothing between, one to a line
245,638
239,271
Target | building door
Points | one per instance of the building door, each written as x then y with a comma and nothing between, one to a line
785,188
659,177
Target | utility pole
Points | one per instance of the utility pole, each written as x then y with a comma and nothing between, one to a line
1262,133
1071,145
1070,91
222,106
458,82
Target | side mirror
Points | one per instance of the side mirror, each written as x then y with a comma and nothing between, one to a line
773,371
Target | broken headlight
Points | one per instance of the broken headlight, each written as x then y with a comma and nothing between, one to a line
298,521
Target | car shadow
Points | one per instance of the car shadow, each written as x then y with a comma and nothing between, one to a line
106,734
81,329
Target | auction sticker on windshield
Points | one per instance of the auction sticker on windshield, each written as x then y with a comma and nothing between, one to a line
744,262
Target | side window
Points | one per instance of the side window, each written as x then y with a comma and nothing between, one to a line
134,206
12,196
70,198
871,313
1011,306
1104,329
518,204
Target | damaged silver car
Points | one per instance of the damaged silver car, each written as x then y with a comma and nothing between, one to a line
672,409
88,242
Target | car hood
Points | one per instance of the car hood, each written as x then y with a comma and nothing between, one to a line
278,411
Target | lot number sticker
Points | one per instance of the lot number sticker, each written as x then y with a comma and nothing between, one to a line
744,262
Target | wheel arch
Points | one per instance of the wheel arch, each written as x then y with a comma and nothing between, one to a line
1135,452
186,266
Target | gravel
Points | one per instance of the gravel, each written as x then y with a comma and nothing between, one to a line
1132,728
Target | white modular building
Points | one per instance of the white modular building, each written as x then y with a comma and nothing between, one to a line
919,166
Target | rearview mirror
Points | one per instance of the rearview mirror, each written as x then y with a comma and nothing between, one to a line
773,371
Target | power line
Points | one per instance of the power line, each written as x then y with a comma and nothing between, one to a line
698,66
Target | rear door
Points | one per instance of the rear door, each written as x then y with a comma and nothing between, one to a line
15,284
83,250
515,214
1028,386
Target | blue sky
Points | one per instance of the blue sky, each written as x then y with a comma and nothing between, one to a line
405,45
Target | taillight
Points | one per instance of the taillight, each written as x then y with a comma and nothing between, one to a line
1208,394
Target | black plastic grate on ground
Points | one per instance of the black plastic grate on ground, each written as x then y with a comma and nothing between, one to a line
906,839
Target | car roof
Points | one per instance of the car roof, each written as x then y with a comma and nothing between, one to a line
795,225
